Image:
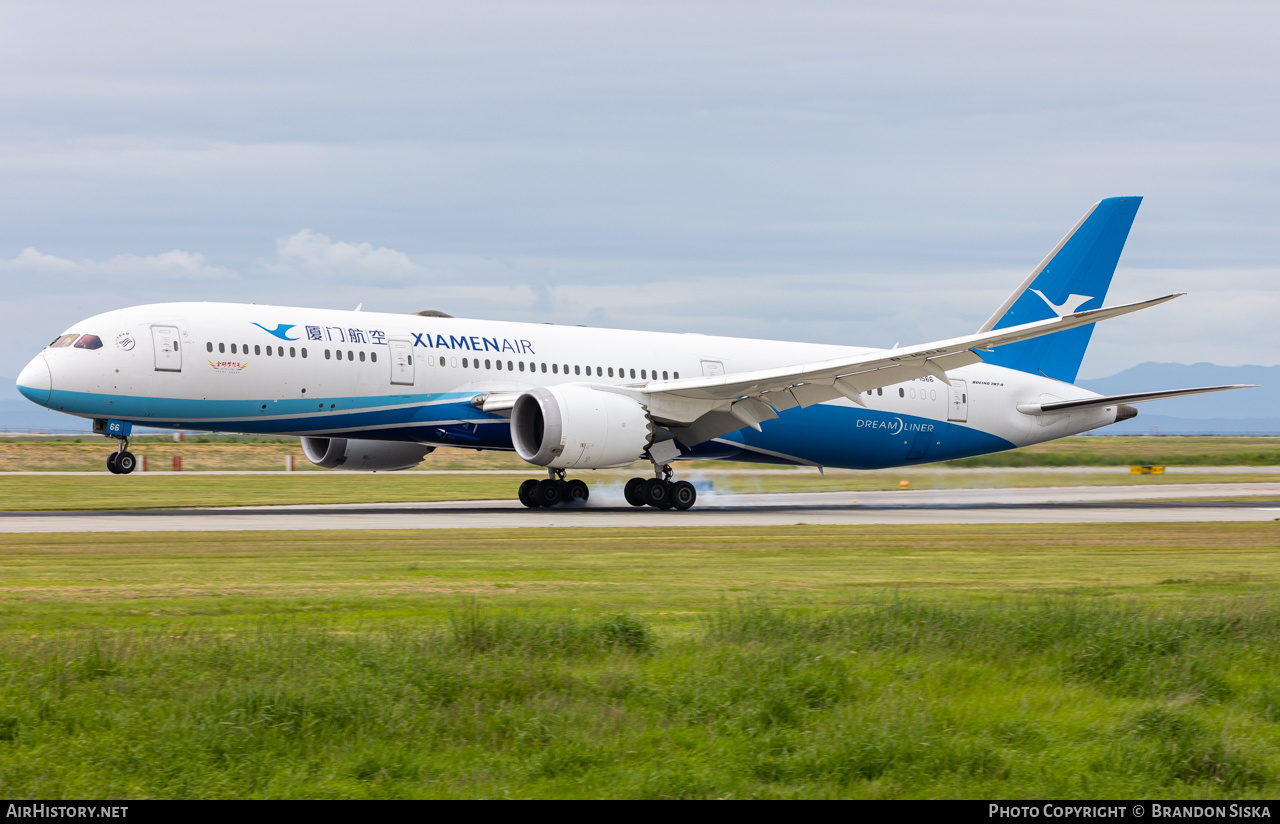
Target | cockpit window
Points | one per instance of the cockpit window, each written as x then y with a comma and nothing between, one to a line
65,340
89,342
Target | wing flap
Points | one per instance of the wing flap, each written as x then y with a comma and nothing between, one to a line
752,412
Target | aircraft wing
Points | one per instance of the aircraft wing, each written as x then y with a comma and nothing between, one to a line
1132,397
698,409
759,395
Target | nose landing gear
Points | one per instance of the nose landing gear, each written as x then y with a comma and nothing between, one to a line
660,491
552,491
122,461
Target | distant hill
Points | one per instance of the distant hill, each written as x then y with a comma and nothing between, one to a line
1242,411
22,415
17,414
1149,424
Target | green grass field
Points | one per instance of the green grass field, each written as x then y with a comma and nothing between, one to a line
1015,662
247,452
1120,451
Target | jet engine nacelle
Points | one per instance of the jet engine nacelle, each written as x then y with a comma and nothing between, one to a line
577,427
364,456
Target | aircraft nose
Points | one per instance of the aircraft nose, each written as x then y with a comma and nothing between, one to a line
35,382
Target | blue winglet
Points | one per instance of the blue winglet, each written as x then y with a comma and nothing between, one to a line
1074,277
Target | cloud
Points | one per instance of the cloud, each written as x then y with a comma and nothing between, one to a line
176,265
31,260
312,254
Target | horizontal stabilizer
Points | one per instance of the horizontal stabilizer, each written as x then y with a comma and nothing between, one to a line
1113,400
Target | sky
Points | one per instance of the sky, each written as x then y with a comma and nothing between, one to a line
868,174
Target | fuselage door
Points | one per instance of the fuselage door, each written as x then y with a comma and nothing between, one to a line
711,368
168,350
958,409
401,361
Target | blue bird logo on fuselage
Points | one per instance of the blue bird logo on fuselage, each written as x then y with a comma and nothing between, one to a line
281,331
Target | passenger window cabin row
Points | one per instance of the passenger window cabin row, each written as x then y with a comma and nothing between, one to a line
373,356
558,369
467,363
902,393
278,351
268,350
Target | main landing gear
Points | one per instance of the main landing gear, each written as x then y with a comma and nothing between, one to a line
122,461
553,491
660,491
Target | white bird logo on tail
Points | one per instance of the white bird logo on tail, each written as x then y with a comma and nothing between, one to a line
1068,306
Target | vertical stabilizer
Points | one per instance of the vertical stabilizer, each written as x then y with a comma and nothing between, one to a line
1075,276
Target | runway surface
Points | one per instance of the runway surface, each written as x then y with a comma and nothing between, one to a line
1065,505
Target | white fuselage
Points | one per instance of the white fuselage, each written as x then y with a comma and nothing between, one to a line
297,371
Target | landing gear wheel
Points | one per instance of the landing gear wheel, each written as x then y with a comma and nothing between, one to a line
547,493
576,492
656,492
634,491
111,463
125,463
683,495
526,493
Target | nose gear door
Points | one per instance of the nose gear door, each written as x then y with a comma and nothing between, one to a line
168,351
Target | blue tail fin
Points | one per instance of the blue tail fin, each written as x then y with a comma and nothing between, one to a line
1075,276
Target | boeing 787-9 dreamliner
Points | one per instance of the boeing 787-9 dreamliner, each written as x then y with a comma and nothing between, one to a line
373,391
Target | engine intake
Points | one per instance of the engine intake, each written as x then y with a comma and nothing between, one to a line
364,456
568,427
